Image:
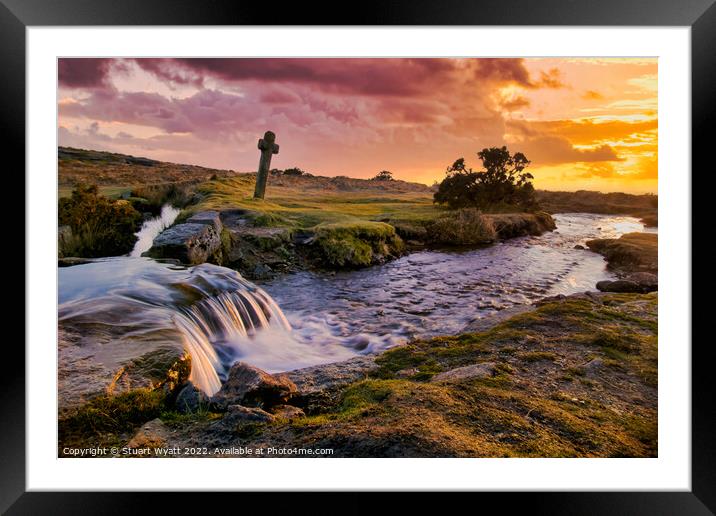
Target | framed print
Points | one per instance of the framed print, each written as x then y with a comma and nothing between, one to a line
435,250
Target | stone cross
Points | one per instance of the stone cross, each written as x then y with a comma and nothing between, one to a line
268,148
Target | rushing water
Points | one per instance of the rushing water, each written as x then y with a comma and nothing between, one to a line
439,292
310,318
152,227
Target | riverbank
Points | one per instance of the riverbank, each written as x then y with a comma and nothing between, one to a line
644,207
573,377
232,238
634,259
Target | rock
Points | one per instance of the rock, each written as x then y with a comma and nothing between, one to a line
625,286
262,271
164,367
251,386
207,217
190,399
287,412
632,252
150,435
191,243
72,260
645,279
320,386
483,370
238,414
579,247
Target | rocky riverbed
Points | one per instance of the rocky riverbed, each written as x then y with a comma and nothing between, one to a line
506,346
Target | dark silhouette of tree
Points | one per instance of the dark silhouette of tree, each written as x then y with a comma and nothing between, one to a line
502,184
295,171
383,175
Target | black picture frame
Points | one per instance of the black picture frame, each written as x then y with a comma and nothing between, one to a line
700,15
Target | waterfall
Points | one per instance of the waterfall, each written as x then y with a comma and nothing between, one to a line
152,227
224,322
126,307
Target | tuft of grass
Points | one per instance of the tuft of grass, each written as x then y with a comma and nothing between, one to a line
467,226
175,418
112,415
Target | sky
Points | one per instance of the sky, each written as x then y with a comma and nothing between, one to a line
584,123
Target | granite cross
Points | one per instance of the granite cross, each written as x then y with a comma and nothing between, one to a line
268,148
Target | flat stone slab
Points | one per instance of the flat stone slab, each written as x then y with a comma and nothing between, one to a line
207,217
324,377
191,243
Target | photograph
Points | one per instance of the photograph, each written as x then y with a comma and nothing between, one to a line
343,257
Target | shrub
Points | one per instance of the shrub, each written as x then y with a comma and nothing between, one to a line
467,226
98,225
504,182
295,171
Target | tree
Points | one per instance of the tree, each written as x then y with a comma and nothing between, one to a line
295,171
502,183
383,175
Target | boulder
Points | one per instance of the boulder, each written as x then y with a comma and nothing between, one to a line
191,243
211,218
251,386
190,399
321,386
483,370
627,286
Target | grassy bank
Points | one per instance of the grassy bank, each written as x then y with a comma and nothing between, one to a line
643,206
633,252
575,377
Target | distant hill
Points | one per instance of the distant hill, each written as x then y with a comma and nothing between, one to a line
615,203
110,169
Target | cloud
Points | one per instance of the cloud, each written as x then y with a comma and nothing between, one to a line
350,116
592,95
548,150
514,103
84,72
550,79
586,131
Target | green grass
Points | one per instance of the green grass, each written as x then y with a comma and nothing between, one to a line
305,207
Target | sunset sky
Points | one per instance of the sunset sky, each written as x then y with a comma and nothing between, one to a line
584,123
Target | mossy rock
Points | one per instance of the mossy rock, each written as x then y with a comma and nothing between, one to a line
347,245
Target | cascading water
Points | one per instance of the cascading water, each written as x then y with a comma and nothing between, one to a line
152,227
215,328
129,306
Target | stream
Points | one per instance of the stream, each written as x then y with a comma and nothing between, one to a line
310,318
